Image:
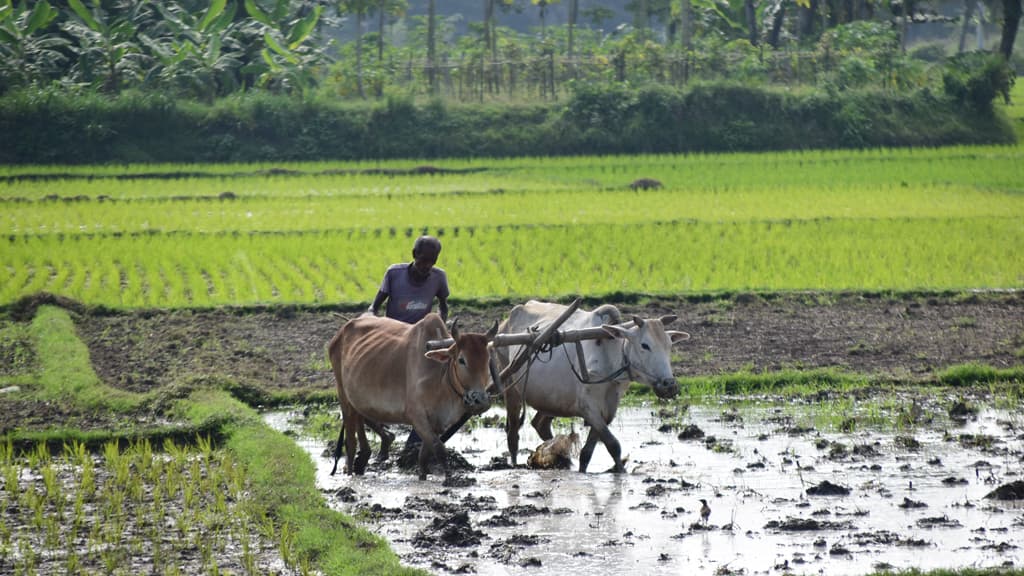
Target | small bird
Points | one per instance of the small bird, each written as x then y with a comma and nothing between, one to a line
705,511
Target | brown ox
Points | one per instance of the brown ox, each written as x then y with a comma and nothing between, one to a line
384,375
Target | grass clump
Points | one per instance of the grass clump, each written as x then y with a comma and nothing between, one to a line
65,371
966,375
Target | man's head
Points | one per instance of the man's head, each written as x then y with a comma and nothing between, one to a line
424,255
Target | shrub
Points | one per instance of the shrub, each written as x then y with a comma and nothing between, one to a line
974,79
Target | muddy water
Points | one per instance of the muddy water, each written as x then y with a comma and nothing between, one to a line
915,501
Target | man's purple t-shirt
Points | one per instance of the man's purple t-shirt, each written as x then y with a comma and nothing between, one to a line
410,302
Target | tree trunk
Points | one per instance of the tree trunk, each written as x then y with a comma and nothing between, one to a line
968,12
574,6
1011,21
751,16
775,33
378,82
685,26
359,55
432,46
806,20
489,47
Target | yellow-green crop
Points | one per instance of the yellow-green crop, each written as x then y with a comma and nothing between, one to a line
935,219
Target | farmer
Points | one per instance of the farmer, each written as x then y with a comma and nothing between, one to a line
410,289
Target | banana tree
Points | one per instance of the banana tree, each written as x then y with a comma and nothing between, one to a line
291,56
199,53
106,43
27,52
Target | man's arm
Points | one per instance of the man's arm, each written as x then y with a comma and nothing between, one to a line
377,302
442,308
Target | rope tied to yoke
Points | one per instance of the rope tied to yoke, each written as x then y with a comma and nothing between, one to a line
451,375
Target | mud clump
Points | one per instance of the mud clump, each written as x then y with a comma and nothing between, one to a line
806,525
645,184
1011,491
827,488
909,504
454,530
691,432
409,460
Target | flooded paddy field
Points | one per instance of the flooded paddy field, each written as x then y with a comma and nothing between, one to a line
788,492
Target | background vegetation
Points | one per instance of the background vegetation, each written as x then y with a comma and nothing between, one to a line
254,80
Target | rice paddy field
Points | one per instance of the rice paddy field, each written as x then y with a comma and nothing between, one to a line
889,243
210,235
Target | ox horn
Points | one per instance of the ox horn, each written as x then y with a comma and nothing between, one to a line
492,332
455,328
638,321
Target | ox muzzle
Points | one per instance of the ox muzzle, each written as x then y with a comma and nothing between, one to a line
666,388
476,401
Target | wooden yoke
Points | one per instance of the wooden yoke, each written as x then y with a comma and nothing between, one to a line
534,341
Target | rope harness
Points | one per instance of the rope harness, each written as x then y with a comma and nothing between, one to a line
452,374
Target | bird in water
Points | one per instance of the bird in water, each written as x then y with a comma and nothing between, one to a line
705,511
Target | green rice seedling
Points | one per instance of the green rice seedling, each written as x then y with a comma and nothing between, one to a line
12,473
54,490
285,542
28,558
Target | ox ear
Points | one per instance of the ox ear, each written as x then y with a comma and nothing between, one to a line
677,336
443,355
668,319
638,321
615,331
492,332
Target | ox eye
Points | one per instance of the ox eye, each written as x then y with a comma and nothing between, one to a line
645,346
462,361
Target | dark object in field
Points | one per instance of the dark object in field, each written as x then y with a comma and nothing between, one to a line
961,411
645,184
827,488
909,504
691,432
454,530
1012,491
408,459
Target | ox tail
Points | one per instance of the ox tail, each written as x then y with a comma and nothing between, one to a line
338,448
334,354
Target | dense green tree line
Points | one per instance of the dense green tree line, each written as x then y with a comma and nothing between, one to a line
687,75
205,50
57,128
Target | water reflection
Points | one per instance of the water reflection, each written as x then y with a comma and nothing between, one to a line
753,474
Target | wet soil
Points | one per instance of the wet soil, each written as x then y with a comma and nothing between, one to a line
901,338
785,494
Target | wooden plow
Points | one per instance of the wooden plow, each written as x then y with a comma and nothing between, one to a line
535,341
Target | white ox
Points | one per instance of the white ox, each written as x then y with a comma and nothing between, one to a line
554,384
